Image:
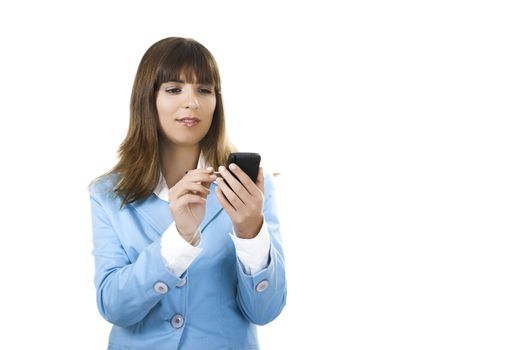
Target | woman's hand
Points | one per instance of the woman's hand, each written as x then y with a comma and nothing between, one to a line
187,200
242,199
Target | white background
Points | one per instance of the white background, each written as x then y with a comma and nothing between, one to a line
397,127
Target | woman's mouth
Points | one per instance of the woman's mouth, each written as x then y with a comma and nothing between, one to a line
189,122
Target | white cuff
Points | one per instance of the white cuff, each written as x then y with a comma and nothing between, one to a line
255,252
176,252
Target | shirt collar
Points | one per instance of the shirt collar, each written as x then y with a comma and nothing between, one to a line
161,190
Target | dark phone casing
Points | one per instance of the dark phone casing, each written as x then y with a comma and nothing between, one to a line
247,161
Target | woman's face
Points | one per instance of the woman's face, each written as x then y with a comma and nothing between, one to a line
185,111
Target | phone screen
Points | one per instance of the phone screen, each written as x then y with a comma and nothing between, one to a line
247,161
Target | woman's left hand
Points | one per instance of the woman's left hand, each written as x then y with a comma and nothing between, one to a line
242,199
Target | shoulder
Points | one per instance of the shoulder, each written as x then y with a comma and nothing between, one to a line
269,183
269,178
102,188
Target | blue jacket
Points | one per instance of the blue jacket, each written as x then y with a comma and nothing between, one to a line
214,305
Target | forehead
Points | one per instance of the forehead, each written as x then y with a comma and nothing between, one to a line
188,64
186,75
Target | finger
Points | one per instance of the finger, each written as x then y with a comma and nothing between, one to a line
208,184
207,170
235,185
244,179
188,199
232,197
195,188
200,176
189,187
223,201
260,180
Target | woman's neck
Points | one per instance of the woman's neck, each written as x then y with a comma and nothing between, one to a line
176,160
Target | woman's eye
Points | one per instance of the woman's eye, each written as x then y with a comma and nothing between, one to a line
205,91
173,90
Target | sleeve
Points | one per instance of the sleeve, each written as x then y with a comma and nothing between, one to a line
262,296
176,252
126,291
253,253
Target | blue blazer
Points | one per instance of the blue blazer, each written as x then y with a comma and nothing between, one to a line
214,305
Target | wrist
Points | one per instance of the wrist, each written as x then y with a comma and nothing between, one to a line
196,239
190,236
250,231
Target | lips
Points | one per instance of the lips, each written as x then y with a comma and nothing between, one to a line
188,121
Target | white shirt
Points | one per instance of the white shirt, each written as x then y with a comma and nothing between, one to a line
178,254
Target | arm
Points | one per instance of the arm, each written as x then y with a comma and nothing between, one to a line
126,290
262,296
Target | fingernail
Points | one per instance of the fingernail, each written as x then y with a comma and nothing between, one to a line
233,166
209,168
222,168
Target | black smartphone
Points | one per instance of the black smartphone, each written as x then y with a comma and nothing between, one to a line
247,161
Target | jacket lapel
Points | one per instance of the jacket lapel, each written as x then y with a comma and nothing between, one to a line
213,207
156,212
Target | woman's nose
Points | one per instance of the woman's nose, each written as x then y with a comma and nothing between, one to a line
191,100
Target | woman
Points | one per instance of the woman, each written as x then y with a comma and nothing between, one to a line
184,260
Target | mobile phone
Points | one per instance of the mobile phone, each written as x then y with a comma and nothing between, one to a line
247,161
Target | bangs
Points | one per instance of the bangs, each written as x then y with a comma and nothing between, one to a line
190,62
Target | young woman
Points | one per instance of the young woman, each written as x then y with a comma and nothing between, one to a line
183,259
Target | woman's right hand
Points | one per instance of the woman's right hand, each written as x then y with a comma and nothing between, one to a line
187,200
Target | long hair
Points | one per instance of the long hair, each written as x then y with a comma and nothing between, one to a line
169,59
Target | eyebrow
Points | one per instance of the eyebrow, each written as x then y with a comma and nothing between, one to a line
183,82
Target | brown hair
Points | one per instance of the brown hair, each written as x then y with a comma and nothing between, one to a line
139,159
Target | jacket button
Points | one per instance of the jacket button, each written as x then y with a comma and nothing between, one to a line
261,286
160,287
177,321
181,283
